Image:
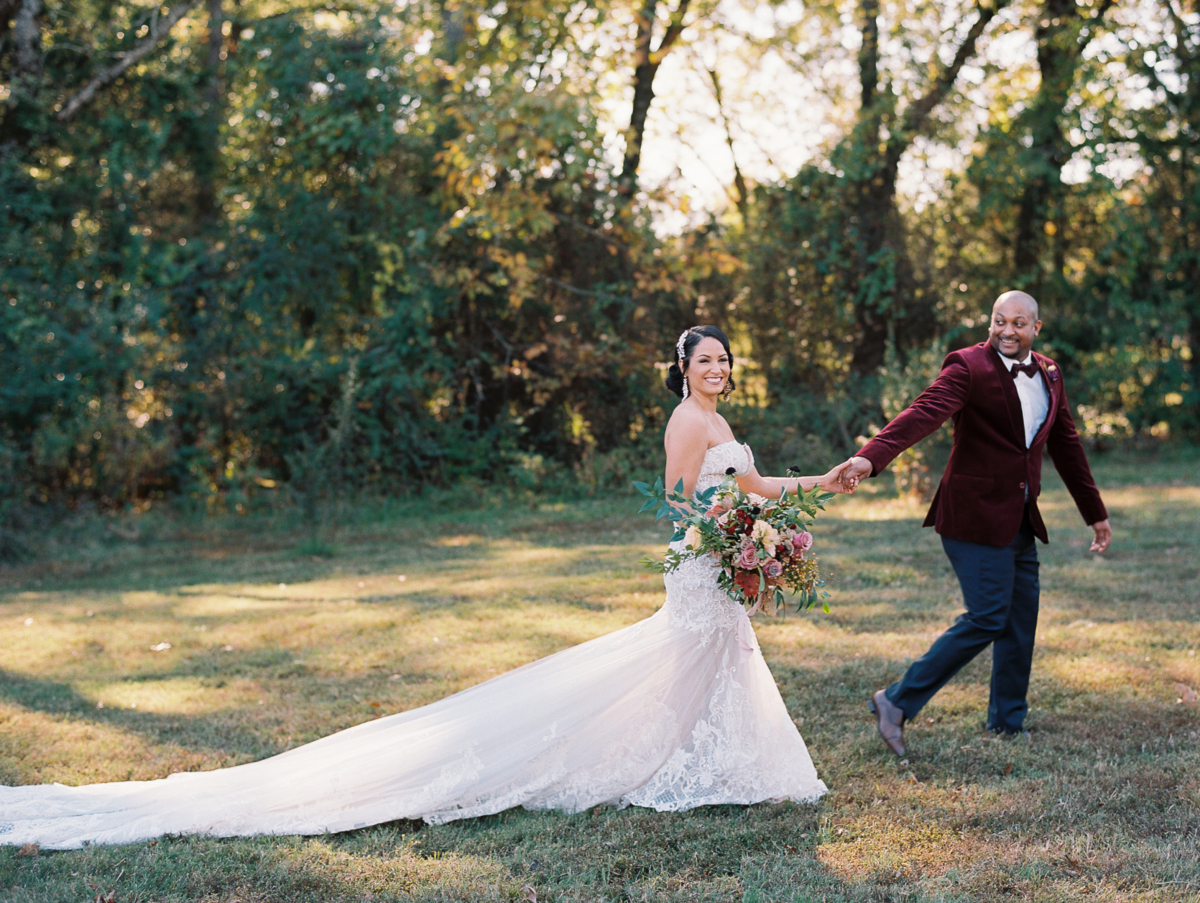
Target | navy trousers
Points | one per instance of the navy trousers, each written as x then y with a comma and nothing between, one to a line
1000,591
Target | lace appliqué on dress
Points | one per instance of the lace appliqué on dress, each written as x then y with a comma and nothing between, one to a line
694,599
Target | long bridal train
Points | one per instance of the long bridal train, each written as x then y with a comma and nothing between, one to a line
676,711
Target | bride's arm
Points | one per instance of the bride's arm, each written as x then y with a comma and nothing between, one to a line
686,441
772,487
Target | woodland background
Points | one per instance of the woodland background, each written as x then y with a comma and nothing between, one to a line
256,248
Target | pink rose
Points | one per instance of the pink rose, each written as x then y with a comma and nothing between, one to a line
803,540
749,559
773,569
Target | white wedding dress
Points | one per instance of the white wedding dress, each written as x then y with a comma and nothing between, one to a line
673,712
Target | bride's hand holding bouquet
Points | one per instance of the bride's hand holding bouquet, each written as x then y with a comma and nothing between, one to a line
763,545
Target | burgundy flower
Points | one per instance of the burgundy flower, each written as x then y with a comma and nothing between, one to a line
748,582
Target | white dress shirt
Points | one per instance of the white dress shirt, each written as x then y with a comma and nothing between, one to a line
1035,399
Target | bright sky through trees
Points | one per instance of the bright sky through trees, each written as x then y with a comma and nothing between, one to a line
783,103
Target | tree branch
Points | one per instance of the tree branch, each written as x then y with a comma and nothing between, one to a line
584,227
582,291
919,110
671,35
739,181
105,77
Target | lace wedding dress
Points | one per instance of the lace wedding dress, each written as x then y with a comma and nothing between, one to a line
673,712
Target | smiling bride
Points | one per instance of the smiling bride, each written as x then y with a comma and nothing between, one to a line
673,712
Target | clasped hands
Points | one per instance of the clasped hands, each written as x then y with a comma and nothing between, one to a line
847,475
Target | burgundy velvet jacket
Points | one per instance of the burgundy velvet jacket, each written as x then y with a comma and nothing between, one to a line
981,498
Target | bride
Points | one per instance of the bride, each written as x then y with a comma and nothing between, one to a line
673,712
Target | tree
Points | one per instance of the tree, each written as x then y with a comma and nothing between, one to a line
830,249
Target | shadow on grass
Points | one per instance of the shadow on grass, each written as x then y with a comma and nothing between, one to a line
213,731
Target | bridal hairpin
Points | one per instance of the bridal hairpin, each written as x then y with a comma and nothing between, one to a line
679,351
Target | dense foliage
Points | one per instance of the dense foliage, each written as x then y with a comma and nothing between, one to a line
261,244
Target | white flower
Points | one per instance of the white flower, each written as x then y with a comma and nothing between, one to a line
763,532
756,499
691,538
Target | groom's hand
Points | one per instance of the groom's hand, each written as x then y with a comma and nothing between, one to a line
1103,536
832,481
853,470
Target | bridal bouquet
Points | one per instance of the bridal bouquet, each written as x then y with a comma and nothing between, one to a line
763,545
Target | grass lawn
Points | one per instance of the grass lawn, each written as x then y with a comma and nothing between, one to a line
269,649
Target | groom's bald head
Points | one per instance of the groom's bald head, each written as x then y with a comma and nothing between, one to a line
1025,300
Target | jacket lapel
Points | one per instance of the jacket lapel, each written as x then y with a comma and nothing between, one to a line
1008,388
1044,364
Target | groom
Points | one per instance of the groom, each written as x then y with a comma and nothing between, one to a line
1008,405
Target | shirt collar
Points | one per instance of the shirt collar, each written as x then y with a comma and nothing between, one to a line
1010,363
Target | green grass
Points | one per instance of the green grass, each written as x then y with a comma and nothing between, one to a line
270,648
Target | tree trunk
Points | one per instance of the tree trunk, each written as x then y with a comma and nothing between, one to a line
27,48
644,70
1062,33
645,66
453,30
206,161
25,32
883,282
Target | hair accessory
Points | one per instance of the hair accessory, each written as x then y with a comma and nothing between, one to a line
679,346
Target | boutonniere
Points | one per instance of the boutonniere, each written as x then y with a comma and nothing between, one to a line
1052,373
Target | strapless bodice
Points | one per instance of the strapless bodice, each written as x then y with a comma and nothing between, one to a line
719,458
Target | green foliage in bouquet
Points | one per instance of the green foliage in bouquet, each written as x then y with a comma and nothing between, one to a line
762,545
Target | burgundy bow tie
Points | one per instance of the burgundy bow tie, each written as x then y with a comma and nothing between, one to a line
1031,369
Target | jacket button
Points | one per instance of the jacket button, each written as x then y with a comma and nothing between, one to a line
1022,485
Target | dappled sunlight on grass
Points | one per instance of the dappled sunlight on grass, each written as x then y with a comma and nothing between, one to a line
883,846
238,650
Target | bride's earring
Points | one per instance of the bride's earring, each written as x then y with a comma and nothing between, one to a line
728,390
685,388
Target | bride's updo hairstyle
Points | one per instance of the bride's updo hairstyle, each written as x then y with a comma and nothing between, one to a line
689,340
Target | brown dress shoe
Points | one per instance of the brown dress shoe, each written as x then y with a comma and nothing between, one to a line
891,721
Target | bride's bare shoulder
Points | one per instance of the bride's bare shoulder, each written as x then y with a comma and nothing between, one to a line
686,423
